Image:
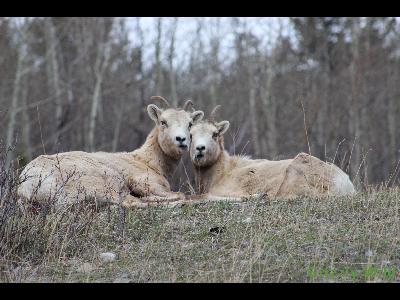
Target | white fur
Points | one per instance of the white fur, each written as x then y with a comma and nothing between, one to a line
342,184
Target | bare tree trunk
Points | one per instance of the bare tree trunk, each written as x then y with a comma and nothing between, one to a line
174,95
69,140
393,119
393,125
53,76
101,64
323,111
26,126
195,56
269,109
10,137
355,125
364,117
117,128
253,118
159,76
213,92
214,68
141,83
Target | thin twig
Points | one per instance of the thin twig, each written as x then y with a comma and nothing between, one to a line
40,128
305,126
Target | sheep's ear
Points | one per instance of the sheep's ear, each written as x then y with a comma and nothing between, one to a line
197,115
222,127
154,112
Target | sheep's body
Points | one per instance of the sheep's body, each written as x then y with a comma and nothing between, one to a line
221,175
304,175
131,178
105,177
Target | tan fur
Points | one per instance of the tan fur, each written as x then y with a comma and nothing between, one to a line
127,177
220,175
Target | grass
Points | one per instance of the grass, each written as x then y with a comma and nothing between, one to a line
345,239
348,239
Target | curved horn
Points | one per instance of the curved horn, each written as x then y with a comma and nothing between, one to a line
187,104
213,112
160,99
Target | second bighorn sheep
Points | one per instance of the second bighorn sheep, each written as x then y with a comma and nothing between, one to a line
219,174
127,177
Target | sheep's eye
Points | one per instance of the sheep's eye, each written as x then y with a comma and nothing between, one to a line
164,123
215,134
190,125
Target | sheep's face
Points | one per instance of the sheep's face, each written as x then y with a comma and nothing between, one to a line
207,142
173,128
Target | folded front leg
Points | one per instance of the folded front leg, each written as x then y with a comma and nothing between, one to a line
152,191
205,198
140,186
131,201
164,197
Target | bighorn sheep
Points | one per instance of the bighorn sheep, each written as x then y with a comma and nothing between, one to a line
127,177
222,175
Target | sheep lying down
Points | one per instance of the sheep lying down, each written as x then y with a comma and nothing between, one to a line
127,178
219,174
75,176
304,175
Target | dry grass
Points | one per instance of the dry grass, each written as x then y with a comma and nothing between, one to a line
302,240
348,239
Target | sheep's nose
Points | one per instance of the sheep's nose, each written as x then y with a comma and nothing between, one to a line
180,139
201,148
